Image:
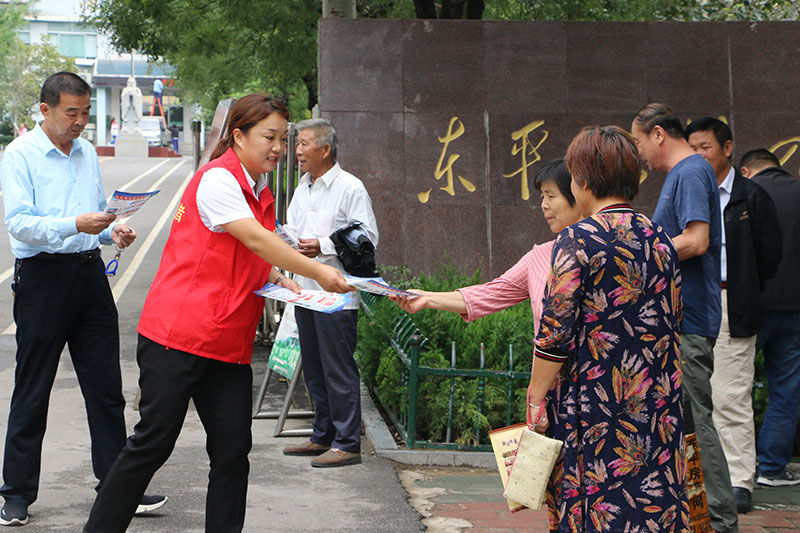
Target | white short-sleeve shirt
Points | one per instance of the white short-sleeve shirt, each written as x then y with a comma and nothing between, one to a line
220,199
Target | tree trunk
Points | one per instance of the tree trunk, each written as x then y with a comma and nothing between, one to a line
425,9
452,9
345,9
475,9
310,81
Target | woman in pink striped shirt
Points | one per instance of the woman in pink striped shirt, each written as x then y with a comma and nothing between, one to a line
527,278
524,280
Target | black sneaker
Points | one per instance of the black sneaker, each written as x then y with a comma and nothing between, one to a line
150,503
783,478
14,514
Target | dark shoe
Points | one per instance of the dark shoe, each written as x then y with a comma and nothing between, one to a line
14,514
336,457
743,499
783,478
149,504
307,448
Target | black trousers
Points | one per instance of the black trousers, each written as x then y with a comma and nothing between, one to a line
327,343
222,394
57,302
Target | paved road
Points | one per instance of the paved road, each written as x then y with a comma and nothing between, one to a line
285,493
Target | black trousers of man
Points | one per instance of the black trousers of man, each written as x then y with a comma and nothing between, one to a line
62,299
222,393
327,344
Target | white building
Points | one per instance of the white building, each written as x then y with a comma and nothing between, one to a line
105,69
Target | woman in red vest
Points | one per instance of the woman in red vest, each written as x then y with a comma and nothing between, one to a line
199,320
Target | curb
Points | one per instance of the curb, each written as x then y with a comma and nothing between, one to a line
384,445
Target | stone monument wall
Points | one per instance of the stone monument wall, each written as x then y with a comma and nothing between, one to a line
447,122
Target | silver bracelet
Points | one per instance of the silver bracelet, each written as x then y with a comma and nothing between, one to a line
278,279
540,413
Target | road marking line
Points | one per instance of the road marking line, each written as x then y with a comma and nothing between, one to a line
153,187
161,180
168,214
142,175
7,274
105,159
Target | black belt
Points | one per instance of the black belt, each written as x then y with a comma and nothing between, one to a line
89,256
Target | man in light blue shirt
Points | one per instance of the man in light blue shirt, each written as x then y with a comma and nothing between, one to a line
158,88
54,204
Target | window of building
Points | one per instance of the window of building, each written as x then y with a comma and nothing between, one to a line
24,33
73,39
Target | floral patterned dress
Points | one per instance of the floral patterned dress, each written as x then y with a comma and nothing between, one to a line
612,306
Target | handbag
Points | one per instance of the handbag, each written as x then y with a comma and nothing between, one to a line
355,251
536,456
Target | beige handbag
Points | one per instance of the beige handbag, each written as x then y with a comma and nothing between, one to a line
533,465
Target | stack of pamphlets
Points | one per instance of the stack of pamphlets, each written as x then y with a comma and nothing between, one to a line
127,203
286,235
377,286
330,302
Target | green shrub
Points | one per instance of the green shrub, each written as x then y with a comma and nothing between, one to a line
382,370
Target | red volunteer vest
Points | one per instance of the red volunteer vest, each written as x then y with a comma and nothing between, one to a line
201,300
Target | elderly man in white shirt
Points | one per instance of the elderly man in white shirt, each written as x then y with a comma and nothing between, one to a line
327,199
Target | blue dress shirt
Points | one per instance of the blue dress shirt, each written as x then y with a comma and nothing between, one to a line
44,191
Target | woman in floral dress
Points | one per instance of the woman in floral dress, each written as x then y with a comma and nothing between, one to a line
607,371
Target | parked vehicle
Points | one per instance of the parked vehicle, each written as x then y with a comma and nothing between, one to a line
155,131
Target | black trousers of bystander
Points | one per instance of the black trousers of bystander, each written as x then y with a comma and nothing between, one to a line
62,299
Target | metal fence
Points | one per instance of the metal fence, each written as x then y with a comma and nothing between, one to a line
407,342
282,183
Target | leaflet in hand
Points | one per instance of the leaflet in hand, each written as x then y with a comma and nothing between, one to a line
127,203
325,302
377,286
286,236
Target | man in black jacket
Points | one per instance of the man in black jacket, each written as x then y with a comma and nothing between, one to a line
779,335
751,251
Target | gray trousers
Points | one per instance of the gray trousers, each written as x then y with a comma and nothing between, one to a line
697,357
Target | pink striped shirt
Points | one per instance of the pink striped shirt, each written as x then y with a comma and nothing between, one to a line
524,280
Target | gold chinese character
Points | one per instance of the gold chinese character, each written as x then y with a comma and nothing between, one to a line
791,143
179,212
451,135
527,149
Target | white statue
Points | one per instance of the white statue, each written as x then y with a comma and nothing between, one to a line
131,106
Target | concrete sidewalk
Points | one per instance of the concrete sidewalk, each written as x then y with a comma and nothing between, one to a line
470,499
285,493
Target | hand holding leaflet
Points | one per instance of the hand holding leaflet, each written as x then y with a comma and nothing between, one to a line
127,203
377,286
286,236
325,302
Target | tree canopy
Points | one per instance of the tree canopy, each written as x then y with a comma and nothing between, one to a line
23,67
11,17
223,48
